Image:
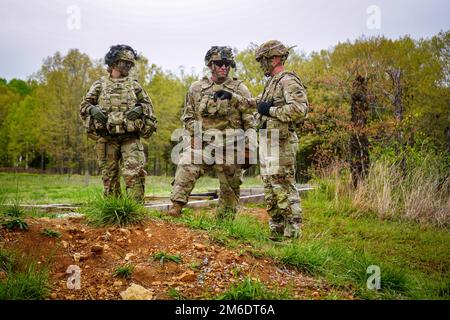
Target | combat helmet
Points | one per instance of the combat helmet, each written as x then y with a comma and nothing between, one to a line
120,52
270,49
217,53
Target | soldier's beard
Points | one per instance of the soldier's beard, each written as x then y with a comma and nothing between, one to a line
266,67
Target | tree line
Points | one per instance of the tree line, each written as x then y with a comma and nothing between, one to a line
369,97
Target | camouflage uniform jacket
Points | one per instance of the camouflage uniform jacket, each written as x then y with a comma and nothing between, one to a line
288,95
219,114
289,108
116,96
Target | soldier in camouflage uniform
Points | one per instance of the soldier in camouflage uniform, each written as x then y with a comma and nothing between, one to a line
208,107
117,112
282,106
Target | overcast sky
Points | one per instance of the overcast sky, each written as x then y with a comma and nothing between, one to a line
174,33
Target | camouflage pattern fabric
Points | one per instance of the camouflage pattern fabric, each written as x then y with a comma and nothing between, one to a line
230,179
200,107
118,140
111,152
290,105
271,48
218,53
220,114
126,55
120,52
115,97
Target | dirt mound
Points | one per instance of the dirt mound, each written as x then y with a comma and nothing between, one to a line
206,270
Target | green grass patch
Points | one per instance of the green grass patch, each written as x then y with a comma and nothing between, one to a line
311,258
175,294
244,228
51,233
164,257
7,261
15,224
198,220
120,211
250,289
195,265
13,210
25,280
31,284
125,271
77,189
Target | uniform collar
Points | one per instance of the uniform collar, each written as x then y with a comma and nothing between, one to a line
209,83
279,75
117,80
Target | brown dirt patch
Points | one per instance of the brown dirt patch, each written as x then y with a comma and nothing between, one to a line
207,269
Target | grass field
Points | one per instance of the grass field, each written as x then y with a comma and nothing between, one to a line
337,244
76,189
414,260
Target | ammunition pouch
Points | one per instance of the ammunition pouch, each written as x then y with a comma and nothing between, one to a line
118,124
94,129
282,127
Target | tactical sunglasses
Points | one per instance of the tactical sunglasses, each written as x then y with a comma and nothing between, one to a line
221,63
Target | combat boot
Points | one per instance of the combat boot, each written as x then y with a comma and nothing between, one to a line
276,234
175,210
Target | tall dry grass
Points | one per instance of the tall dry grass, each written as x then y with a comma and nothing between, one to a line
426,197
378,192
422,194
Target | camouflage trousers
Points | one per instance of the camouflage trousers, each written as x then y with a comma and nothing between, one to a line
125,155
281,196
230,179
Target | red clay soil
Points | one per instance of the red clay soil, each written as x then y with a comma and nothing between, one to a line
206,270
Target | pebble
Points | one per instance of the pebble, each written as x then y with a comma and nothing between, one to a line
125,232
136,292
96,248
76,257
199,246
128,256
118,283
102,292
107,236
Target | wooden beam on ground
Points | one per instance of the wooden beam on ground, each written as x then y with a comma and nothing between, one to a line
248,195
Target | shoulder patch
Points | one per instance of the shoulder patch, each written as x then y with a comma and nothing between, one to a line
290,78
97,83
196,86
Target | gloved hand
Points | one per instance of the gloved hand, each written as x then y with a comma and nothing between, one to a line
134,113
97,114
264,108
222,95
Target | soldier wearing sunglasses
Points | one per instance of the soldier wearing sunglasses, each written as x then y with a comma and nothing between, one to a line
205,106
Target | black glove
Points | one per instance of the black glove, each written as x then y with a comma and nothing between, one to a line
134,113
98,114
264,108
222,95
